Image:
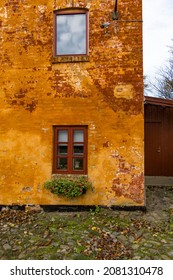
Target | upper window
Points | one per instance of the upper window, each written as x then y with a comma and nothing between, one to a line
70,150
71,32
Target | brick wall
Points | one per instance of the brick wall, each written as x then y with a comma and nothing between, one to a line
105,93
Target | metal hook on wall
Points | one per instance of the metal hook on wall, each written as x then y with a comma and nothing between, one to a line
115,14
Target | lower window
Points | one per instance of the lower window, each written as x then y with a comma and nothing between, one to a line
70,150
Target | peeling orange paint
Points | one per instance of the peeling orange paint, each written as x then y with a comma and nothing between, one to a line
103,91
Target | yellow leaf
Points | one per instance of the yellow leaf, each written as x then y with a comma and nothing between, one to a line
93,228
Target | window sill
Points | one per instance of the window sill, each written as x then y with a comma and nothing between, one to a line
69,176
70,58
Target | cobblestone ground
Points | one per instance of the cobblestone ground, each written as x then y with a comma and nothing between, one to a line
94,234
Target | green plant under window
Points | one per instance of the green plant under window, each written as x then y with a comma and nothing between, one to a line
68,187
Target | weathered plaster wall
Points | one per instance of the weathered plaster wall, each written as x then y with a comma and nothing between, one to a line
105,93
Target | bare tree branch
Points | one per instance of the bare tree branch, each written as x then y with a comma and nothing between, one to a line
163,83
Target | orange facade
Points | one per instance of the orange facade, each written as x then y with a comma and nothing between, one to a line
101,90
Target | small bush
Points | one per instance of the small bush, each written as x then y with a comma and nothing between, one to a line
68,187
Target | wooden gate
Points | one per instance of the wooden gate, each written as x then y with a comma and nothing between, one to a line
158,137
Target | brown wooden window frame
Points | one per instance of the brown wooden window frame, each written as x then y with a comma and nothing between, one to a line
71,11
70,154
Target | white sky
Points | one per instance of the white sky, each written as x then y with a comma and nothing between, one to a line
157,34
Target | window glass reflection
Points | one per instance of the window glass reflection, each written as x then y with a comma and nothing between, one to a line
62,163
78,164
78,136
78,149
71,34
63,136
62,149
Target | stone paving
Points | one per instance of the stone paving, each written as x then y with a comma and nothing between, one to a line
93,234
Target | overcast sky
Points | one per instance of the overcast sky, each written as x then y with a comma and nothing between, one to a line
157,34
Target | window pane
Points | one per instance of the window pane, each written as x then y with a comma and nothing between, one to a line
71,34
62,163
78,149
63,136
78,164
62,149
78,136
